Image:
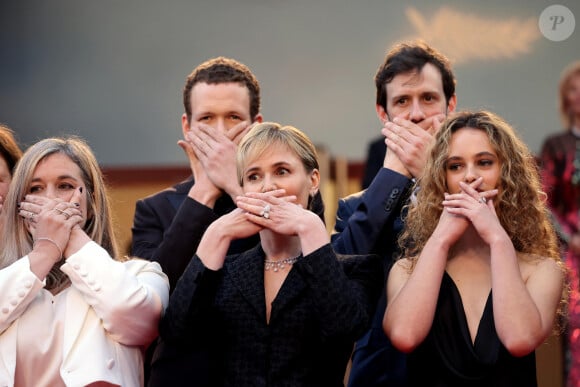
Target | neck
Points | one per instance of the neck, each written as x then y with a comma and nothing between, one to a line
277,246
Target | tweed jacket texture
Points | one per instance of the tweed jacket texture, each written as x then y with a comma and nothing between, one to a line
324,304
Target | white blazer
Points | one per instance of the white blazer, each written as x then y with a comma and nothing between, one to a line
113,310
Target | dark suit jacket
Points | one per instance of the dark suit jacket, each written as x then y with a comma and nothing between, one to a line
168,226
377,149
315,318
369,222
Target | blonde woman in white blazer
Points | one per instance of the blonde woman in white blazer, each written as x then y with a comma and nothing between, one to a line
71,312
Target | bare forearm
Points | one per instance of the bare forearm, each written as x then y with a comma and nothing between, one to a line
411,308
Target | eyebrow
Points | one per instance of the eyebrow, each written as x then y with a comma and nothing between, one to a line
277,164
61,177
480,154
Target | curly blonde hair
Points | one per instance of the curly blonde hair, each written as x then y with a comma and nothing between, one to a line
520,203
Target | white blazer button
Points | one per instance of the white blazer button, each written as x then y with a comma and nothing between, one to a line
28,284
21,293
5,310
110,363
14,302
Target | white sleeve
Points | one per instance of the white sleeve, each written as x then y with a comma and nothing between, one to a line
129,297
18,287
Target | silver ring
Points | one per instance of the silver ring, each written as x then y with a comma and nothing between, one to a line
482,200
266,211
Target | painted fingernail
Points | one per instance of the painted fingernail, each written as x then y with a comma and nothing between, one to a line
77,204
81,189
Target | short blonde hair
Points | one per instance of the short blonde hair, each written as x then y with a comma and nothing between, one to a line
263,135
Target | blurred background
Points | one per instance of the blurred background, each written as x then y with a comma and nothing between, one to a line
112,72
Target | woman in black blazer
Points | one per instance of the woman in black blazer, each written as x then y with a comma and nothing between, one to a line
287,312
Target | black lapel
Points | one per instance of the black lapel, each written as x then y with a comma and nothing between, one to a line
247,274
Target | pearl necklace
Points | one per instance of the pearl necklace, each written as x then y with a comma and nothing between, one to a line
280,264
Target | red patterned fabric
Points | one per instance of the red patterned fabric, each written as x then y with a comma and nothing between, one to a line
559,154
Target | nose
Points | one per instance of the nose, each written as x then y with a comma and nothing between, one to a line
220,124
470,174
50,192
416,114
268,184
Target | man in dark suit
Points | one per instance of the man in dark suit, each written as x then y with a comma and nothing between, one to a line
415,91
221,99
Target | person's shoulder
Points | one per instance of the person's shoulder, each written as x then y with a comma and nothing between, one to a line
559,136
377,142
179,188
354,197
350,203
352,263
530,264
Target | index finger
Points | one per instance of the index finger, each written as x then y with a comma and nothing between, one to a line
76,196
436,122
238,131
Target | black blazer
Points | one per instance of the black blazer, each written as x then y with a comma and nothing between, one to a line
168,226
315,319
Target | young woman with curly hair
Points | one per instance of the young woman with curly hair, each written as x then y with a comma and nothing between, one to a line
481,280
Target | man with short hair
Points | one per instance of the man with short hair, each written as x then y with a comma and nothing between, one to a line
415,91
221,99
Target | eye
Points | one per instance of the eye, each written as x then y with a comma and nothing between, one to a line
486,162
204,118
453,166
64,186
401,101
236,117
252,177
282,171
35,189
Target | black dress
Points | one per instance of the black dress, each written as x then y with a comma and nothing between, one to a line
448,358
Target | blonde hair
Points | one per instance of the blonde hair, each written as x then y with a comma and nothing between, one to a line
263,135
520,203
568,73
16,241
